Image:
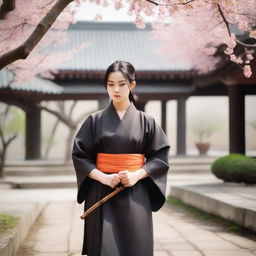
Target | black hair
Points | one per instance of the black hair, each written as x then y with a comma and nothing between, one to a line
128,71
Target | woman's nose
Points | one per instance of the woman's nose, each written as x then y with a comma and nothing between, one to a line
116,89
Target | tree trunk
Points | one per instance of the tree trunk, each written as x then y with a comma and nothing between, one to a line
2,160
69,144
48,147
22,51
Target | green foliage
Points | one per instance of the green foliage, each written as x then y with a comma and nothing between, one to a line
235,168
16,121
7,222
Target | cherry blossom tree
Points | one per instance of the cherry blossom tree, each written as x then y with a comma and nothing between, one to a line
200,27
24,28
196,28
64,116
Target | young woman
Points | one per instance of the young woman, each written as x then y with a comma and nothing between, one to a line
120,145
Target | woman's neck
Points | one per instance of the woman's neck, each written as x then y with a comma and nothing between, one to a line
121,106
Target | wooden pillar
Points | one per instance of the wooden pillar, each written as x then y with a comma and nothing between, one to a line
181,126
236,119
163,115
33,133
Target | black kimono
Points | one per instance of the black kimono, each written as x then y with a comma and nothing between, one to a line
123,225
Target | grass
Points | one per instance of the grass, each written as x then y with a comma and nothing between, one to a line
7,222
229,225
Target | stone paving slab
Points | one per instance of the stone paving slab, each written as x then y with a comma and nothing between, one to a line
175,232
27,204
59,231
27,212
232,201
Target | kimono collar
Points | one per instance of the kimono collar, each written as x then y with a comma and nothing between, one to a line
128,111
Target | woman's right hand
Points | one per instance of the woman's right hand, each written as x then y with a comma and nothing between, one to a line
111,180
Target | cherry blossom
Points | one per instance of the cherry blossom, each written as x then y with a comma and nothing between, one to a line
190,30
16,27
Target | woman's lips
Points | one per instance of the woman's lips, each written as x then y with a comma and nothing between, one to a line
117,96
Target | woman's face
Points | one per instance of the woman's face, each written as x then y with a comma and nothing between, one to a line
117,87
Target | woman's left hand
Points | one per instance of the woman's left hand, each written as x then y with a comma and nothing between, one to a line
128,179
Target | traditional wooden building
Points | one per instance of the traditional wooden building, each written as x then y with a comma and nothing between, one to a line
81,78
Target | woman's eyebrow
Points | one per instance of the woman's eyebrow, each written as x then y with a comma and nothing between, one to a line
118,81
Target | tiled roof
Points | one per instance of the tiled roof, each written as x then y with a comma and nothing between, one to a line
112,41
35,85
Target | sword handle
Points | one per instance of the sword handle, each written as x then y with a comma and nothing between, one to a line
100,202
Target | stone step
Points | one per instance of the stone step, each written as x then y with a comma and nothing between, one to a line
69,171
37,163
59,170
179,160
64,181
190,168
232,201
184,161
53,168
38,170
49,181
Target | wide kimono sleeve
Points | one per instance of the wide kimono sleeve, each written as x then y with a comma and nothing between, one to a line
157,163
84,157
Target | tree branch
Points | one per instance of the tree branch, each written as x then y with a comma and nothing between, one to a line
72,108
155,3
246,45
224,18
49,145
7,6
83,116
11,139
24,49
2,137
61,117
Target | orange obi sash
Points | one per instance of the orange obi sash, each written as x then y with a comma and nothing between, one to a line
112,163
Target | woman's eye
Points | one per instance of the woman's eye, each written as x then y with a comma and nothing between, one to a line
122,84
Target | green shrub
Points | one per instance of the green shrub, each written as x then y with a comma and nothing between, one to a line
235,168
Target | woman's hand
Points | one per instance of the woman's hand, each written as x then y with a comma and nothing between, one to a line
111,180
128,179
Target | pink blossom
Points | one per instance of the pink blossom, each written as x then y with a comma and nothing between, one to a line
249,56
140,23
247,71
118,4
17,26
195,30
98,17
235,59
228,51
105,3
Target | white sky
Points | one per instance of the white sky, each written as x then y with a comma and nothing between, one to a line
87,11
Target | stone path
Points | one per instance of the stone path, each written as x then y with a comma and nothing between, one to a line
59,232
